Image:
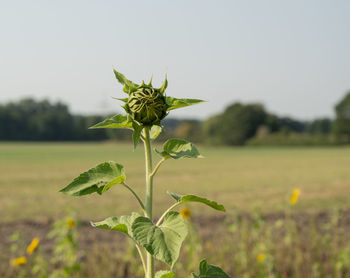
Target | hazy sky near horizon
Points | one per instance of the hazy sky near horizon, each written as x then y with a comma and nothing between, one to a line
292,56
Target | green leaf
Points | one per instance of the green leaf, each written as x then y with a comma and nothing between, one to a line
121,224
165,274
155,131
179,148
98,179
163,242
164,86
192,198
150,81
121,99
175,103
129,86
117,121
209,271
136,134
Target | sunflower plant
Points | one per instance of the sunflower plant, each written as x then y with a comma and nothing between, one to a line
146,107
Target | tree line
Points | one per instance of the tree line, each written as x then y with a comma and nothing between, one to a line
251,124
238,124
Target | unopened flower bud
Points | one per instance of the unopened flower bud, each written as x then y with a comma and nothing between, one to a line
147,106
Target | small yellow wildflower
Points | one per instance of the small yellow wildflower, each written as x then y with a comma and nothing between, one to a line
70,223
295,196
33,245
260,258
208,245
186,213
19,261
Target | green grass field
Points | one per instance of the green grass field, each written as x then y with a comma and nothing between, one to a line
240,178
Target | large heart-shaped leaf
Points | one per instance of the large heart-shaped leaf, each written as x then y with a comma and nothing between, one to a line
165,274
193,198
175,103
122,224
209,271
179,148
98,179
164,241
117,121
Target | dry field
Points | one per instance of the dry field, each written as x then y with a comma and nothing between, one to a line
245,180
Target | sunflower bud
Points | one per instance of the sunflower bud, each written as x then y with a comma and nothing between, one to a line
147,106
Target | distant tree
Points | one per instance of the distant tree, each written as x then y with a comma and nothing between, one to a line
171,124
48,121
31,120
94,134
342,122
238,123
191,130
273,123
287,124
320,126
35,120
211,130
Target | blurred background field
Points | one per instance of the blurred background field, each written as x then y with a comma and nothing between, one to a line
261,235
240,178
254,160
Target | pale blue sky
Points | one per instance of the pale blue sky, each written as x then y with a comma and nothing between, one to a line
294,56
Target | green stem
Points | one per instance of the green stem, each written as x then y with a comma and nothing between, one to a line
157,166
141,257
165,213
149,195
136,196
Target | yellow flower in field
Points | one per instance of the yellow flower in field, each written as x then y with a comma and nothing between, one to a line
260,258
19,261
295,196
70,223
185,212
208,245
33,245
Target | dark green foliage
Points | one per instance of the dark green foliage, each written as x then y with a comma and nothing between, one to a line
81,125
284,124
30,120
272,122
320,126
238,123
241,123
342,122
287,124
